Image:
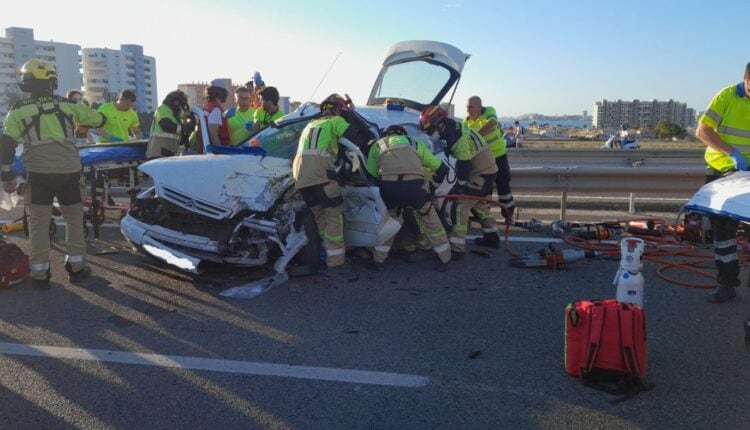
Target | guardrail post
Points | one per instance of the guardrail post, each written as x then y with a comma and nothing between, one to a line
563,204
631,204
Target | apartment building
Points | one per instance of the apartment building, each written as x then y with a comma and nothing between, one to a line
640,114
18,46
107,72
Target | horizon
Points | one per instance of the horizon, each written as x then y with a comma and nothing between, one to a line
529,57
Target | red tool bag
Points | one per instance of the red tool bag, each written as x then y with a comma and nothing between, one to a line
14,265
605,345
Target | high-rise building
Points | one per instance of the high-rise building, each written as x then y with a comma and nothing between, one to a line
640,114
107,72
18,46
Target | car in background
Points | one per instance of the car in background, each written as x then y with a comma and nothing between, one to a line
239,205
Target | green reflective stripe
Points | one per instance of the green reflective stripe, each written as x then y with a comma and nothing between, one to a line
731,131
713,115
333,238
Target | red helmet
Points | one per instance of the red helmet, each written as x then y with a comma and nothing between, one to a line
334,104
431,117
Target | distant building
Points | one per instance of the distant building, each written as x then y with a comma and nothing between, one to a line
641,114
18,46
585,114
107,72
196,91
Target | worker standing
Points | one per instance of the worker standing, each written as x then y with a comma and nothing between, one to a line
399,162
240,117
166,127
46,124
483,120
122,121
269,110
314,171
725,129
475,175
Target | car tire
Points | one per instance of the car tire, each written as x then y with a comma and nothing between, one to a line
309,256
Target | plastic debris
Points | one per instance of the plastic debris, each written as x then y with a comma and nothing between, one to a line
255,289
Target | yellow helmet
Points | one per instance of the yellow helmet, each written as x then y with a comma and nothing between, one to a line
36,73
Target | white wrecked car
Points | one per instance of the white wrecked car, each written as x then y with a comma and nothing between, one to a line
241,207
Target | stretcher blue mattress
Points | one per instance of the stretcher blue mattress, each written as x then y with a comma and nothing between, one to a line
92,155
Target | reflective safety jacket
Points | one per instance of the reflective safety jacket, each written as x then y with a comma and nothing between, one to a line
473,156
264,119
729,115
318,151
493,137
164,141
238,125
119,122
46,125
400,155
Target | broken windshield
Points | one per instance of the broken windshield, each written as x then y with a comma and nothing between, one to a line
418,83
281,141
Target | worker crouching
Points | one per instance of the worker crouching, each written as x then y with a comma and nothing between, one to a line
46,124
399,162
475,174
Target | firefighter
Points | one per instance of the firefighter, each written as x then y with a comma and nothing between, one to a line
46,124
399,162
475,175
166,127
725,130
483,120
314,171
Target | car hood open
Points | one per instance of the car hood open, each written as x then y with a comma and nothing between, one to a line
219,186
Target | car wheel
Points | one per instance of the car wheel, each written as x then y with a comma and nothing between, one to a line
309,256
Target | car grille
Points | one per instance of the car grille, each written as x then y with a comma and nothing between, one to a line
192,204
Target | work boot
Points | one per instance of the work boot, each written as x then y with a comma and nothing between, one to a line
41,284
78,275
442,267
721,294
377,266
489,240
343,269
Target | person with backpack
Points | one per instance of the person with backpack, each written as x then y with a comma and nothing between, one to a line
46,123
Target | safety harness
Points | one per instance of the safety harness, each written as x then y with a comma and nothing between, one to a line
66,121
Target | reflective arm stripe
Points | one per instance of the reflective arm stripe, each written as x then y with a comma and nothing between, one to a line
726,258
314,135
733,131
714,116
492,139
725,243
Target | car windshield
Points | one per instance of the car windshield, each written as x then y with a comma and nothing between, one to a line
281,141
418,81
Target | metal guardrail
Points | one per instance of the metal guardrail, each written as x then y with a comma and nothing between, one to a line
666,173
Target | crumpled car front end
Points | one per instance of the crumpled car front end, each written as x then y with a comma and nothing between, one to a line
224,209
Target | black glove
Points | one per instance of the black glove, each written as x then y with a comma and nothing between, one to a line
440,173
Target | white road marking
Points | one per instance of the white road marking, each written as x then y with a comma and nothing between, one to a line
351,376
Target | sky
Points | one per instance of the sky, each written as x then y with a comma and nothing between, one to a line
527,56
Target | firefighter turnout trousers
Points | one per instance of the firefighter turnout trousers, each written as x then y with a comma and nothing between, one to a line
325,203
398,195
41,190
462,209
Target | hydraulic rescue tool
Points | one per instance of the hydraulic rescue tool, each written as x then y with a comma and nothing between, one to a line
551,258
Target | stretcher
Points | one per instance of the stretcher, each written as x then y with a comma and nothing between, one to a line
103,163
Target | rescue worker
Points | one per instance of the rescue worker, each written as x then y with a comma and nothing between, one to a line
399,162
240,117
483,120
166,127
314,171
122,121
725,129
475,175
269,109
46,124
